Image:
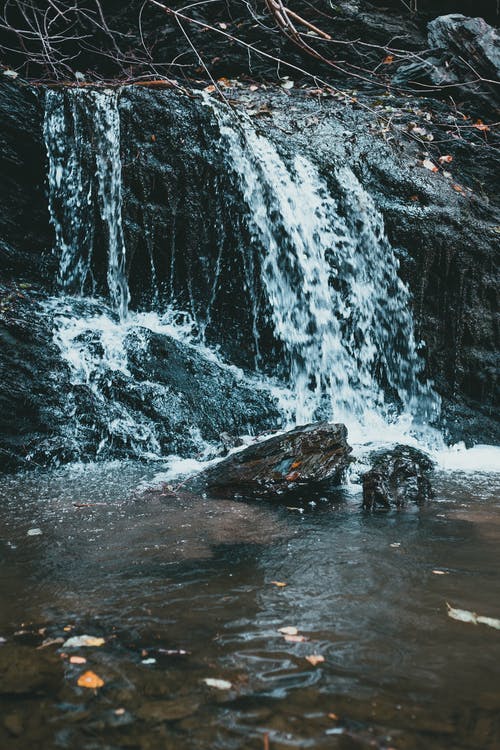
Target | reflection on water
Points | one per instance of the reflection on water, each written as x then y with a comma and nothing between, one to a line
156,574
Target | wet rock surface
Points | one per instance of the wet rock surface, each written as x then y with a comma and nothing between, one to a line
188,242
306,458
399,477
48,415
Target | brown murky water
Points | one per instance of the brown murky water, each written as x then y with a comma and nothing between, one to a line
157,577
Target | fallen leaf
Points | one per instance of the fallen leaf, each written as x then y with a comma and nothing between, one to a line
50,642
224,82
440,572
253,87
428,164
219,684
388,60
209,89
153,138
279,584
77,641
457,188
295,638
119,711
445,159
288,630
480,125
414,198
34,532
222,25
464,615
315,659
90,680
77,660
292,476
333,716
287,84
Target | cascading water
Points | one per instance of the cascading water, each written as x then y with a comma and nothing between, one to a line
329,274
85,182
331,278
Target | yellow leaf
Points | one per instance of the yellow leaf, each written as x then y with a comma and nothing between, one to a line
90,680
279,584
388,60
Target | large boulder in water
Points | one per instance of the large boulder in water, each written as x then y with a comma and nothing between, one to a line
305,457
398,477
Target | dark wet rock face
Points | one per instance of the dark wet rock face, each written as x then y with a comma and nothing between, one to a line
307,457
47,417
399,477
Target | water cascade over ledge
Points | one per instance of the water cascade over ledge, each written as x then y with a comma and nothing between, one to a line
337,306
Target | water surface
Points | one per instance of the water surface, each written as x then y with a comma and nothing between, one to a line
157,575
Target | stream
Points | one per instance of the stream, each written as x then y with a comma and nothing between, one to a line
183,592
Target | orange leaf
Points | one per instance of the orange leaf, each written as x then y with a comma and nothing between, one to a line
315,659
445,159
388,60
209,89
479,125
90,680
333,716
292,476
458,188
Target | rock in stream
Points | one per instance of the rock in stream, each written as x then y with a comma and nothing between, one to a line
308,456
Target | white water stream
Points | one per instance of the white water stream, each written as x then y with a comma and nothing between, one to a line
338,306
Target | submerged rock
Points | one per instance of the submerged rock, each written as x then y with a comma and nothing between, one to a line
398,477
305,457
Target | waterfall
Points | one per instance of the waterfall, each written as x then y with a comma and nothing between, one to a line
331,277
82,136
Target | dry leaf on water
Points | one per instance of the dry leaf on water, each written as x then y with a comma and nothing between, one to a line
295,638
279,584
219,684
315,659
77,660
78,641
90,680
464,615
288,630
